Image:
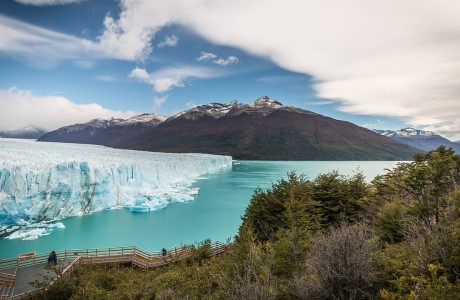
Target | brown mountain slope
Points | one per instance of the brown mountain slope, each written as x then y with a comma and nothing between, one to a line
261,130
281,135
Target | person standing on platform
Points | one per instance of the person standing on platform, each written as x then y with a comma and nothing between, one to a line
52,258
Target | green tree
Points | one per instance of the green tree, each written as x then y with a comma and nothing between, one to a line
341,198
287,204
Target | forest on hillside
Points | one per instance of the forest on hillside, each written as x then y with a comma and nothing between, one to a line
332,237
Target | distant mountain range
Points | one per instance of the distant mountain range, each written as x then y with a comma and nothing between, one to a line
419,139
23,133
261,130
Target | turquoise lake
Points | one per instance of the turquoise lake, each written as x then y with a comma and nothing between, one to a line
215,213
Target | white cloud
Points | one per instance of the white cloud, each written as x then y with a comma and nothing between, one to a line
47,2
451,130
169,41
225,62
42,47
386,58
165,79
20,108
126,41
158,102
140,74
207,56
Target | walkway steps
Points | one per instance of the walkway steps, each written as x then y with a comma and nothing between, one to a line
14,284
6,292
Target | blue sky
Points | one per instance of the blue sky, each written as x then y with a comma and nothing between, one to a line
384,66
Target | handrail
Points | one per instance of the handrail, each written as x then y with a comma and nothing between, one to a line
69,269
132,254
7,279
122,252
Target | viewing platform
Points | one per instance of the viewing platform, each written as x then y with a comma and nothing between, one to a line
30,271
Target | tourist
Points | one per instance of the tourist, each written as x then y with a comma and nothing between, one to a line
163,251
52,258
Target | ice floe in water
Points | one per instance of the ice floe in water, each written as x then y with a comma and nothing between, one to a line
51,181
33,231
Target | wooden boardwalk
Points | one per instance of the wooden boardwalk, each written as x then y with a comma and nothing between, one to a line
17,274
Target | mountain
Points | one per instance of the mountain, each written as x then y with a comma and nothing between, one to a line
261,130
98,130
419,139
29,132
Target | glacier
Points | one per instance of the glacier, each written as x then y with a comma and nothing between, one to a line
41,182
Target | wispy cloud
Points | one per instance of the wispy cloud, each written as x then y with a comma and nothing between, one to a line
42,47
169,41
21,108
321,102
191,104
47,2
106,78
376,125
284,79
158,102
165,79
450,130
207,56
225,62
356,55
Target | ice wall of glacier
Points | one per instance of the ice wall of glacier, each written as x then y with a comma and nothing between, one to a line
50,181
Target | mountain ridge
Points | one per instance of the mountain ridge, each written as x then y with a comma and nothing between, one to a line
260,130
419,139
29,132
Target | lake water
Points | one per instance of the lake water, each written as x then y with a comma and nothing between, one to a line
215,213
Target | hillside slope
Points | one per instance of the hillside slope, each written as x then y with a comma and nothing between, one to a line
261,130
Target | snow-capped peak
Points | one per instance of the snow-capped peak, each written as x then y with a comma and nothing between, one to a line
104,122
144,118
266,101
412,132
406,132
217,110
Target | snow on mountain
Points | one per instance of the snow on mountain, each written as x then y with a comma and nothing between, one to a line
419,139
104,122
144,118
266,102
214,110
263,105
43,182
406,132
